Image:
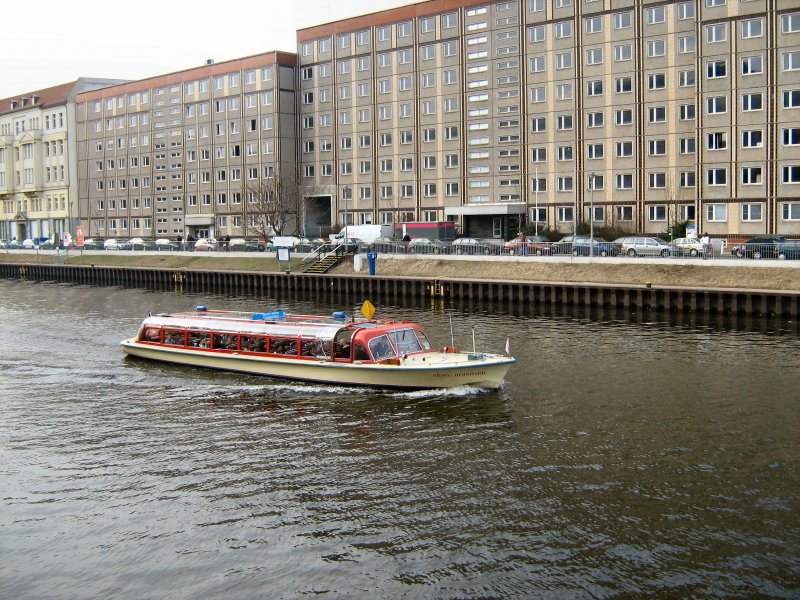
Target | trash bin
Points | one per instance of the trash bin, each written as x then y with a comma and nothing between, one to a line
372,258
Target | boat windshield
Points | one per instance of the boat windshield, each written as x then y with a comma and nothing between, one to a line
409,341
381,348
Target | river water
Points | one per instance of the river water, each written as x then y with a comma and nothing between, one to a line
624,456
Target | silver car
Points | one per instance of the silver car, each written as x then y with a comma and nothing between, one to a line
689,246
647,246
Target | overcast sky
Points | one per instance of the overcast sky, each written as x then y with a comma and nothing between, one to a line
49,42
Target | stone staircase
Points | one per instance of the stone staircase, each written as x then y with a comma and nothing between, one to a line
323,265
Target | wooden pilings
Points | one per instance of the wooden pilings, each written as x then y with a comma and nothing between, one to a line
784,304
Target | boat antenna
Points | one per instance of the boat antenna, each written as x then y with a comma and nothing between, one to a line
452,339
474,350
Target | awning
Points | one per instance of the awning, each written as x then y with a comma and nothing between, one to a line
198,219
515,208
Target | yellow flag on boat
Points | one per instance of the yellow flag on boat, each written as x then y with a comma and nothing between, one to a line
367,309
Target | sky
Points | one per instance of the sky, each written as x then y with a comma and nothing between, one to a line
49,42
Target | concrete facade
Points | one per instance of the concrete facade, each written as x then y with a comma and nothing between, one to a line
173,155
38,161
496,114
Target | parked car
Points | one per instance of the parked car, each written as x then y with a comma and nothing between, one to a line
689,246
3,244
564,245
245,245
762,246
387,245
13,245
162,244
636,245
346,245
308,245
138,243
92,244
115,244
205,244
468,245
426,246
28,244
789,249
530,244
595,246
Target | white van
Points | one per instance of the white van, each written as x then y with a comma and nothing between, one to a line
366,233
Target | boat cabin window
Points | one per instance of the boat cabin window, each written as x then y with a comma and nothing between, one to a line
253,343
285,346
151,334
174,337
360,353
344,340
381,348
308,347
199,339
409,341
225,341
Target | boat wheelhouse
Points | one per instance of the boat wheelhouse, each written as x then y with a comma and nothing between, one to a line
379,353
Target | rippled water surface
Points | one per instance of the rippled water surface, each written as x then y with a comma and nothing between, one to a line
623,456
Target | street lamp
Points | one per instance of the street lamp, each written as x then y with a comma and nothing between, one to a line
536,196
346,191
591,214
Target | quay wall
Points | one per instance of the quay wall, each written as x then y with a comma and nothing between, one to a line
770,303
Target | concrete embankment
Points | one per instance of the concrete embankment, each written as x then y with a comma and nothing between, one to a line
652,285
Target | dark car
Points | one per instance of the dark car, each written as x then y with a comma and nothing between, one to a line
387,245
789,249
138,243
345,245
564,245
426,246
762,246
594,246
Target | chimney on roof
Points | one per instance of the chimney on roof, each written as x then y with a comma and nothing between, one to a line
209,61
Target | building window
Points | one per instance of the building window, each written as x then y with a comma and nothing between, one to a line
657,213
751,176
790,211
791,174
752,65
790,23
716,177
716,33
624,181
716,213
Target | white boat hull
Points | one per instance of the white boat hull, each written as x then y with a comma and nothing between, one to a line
421,371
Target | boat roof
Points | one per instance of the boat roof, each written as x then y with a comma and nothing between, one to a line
275,323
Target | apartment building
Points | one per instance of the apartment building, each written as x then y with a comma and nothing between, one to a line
176,155
629,113
38,161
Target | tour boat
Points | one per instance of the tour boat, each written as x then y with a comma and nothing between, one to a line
334,349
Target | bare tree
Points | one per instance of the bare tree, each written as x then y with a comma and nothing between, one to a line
272,205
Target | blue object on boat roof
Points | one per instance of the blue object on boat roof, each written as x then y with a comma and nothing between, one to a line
276,315
202,309
339,315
